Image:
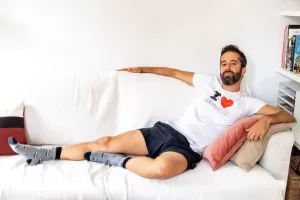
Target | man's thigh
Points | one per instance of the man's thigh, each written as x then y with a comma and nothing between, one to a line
131,142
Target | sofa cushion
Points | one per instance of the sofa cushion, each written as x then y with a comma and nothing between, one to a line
51,180
11,124
222,148
202,183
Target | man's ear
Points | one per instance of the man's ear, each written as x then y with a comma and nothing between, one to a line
244,70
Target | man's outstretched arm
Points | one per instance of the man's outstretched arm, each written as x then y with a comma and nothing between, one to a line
184,76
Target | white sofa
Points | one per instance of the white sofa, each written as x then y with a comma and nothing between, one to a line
79,109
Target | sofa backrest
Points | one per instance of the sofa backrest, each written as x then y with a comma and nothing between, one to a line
78,109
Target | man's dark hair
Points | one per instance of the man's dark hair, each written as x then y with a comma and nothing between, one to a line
233,48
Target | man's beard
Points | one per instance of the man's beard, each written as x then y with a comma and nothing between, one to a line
230,80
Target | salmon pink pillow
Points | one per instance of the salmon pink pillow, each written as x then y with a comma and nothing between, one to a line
221,150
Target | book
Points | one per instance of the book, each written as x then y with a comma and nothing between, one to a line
292,52
284,45
292,30
296,57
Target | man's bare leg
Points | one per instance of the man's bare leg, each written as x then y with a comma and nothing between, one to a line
131,142
167,165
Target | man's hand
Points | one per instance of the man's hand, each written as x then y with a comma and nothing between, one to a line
132,69
271,115
259,129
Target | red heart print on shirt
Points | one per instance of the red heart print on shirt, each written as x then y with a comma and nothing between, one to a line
226,102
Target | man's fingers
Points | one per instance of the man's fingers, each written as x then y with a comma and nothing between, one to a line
261,136
128,69
249,136
131,69
252,136
122,69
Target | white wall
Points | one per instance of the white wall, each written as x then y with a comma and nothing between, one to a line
51,38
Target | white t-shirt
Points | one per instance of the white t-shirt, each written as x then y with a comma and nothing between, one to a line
212,111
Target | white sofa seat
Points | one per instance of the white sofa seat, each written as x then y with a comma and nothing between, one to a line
228,183
53,180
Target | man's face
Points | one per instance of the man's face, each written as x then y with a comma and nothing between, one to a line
230,69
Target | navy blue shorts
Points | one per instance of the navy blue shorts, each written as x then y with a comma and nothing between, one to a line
163,138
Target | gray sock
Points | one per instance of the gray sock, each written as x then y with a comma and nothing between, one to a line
32,154
111,159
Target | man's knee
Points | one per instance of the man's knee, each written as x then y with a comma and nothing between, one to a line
161,170
104,143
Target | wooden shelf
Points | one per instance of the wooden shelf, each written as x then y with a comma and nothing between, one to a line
290,13
291,75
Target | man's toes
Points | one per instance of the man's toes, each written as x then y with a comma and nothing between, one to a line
12,141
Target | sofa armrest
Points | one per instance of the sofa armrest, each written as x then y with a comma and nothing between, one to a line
276,159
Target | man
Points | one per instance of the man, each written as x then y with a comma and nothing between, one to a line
168,149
